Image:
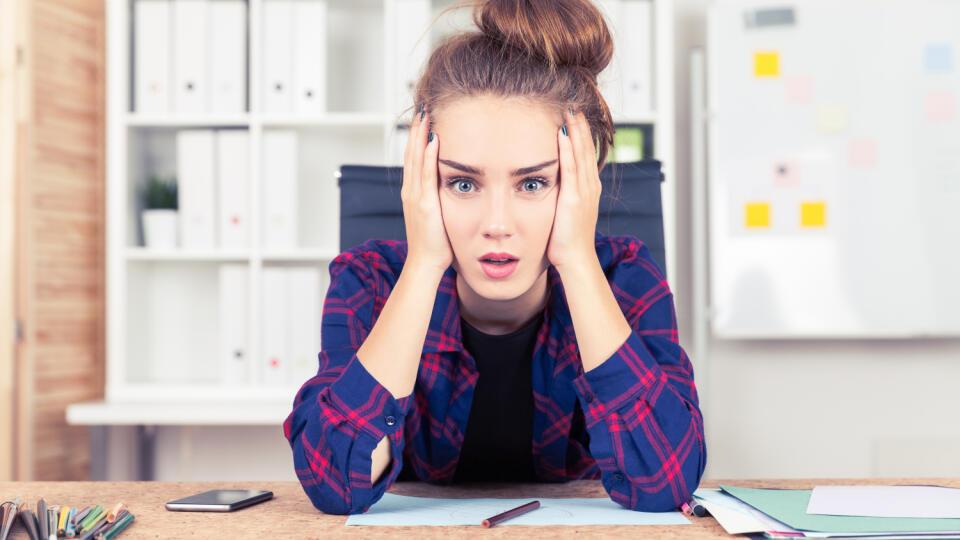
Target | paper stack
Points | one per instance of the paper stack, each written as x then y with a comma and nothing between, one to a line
880,512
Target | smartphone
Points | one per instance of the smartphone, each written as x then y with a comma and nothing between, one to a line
219,500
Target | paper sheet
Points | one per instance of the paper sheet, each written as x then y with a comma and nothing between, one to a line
886,501
399,510
735,516
790,507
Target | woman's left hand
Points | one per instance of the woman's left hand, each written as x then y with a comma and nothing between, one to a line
574,225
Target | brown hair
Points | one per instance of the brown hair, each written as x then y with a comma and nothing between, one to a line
547,51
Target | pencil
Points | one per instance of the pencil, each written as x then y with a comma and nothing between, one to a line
113,513
117,527
520,510
64,512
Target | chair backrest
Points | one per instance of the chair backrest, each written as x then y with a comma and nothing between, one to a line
370,205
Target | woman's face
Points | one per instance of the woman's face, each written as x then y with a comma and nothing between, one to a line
498,173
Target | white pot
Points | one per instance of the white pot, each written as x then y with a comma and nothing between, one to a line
160,228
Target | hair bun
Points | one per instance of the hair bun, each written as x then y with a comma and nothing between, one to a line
560,32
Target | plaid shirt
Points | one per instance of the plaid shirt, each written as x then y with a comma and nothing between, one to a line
633,421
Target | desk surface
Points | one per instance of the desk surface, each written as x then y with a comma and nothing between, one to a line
291,515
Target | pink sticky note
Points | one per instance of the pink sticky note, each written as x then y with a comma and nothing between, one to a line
940,106
799,89
862,153
786,173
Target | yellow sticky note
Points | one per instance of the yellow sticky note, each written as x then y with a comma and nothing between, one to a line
758,215
813,214
766,64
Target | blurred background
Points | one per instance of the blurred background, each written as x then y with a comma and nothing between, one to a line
170,201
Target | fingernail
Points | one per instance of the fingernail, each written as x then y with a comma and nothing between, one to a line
422,112
421,107
564,129
571,110
430,138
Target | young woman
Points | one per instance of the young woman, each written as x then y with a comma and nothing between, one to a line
506,339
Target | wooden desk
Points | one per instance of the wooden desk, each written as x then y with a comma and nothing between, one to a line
291,515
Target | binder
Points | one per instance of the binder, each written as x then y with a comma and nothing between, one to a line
610,80
303,294
279,187
233,183
411,20
274,362
277,56
310,56
636,45
190,29
151,53
196,188
228,56
234,351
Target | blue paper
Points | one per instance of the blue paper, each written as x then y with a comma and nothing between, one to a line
400,510
938,58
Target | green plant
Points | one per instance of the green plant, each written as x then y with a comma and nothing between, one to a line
159,193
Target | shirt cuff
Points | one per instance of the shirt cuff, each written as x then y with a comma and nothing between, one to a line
365,403
630,371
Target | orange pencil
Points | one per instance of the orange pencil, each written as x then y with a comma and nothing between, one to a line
112,515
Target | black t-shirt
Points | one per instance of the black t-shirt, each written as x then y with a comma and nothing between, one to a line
498,443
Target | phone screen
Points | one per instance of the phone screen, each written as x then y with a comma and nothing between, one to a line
220,499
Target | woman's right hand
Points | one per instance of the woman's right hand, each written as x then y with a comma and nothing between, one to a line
427,241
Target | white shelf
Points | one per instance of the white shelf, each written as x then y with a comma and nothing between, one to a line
145,254
371,120
147,120
305,255
161,413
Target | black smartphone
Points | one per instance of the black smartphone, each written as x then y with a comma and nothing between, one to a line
219,500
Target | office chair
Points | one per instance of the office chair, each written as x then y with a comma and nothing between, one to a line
370,205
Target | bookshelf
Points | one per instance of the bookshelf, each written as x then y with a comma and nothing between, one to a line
162,305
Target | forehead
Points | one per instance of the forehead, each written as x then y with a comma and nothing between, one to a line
497,135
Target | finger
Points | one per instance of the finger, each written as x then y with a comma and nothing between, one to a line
418,149
409,151
429,173
568,164
576,129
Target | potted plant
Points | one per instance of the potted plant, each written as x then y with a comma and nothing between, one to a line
159,216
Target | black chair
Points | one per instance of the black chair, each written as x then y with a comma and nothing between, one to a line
370,205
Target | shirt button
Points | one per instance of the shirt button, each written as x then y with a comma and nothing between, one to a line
390,419
618,476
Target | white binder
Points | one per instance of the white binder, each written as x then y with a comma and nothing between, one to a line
279,185
234,352
190,29
196,190
228,56
303,293
412,18
277,70
233,183
151,50
310,56
636,44
274,364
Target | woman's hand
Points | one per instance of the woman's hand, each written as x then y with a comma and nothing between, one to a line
574,225
427,242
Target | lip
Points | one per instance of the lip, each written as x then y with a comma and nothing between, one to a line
499,271
501,255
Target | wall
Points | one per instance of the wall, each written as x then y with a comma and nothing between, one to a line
813,408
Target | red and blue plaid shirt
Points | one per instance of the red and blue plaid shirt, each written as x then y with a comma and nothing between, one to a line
633,421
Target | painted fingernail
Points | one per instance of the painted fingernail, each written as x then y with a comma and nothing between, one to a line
421,107
422,112
571,110
430,138
564,129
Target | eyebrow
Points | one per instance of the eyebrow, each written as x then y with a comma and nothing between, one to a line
518,172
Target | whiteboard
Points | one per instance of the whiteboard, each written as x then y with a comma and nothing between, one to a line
834,168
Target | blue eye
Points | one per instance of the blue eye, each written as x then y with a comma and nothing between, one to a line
535,180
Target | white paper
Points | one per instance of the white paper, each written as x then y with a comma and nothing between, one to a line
399,510
886,501
234,350
735,516
275,360
191,26
196,191
279,179
277,56
310,54
233,182
228,56
152,64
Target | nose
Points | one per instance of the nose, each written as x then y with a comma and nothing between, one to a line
499,223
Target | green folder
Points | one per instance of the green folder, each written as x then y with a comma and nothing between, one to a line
790,507
627,144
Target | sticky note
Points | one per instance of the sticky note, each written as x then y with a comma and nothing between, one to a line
940,106
938,58
799,89
758,215
862,153
786,173
766,64
831,118
813,214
